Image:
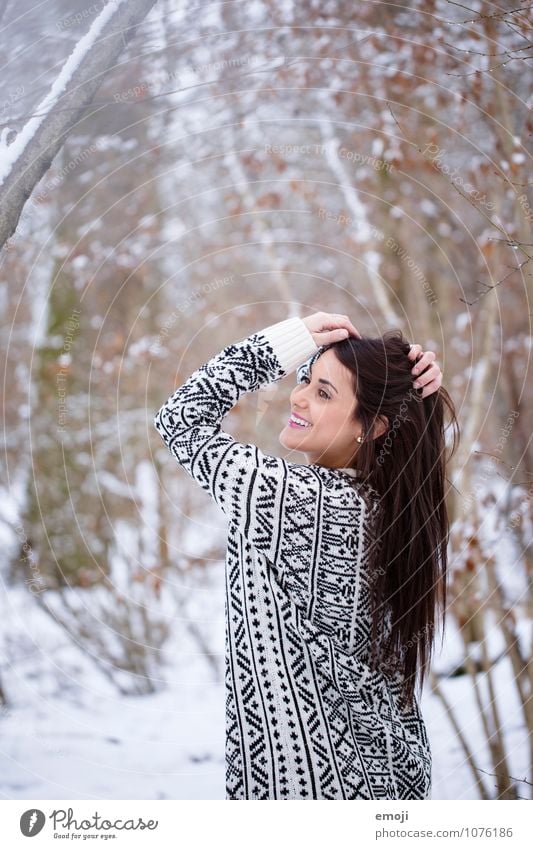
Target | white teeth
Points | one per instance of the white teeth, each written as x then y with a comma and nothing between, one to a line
300,421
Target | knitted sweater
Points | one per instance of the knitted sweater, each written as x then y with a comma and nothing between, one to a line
306,718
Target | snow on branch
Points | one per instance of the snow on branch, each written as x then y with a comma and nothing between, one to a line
28,157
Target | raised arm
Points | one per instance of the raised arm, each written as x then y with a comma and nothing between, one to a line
252,488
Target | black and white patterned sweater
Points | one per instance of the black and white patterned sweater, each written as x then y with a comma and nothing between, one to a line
306,718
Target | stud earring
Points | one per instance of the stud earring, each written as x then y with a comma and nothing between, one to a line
360,438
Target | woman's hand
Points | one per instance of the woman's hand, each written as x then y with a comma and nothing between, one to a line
432,377
326,328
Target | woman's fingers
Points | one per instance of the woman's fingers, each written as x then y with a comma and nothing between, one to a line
430,380
425,360
349,326
426,372
430,388
332,327
414,351
327,337
338,320
329,325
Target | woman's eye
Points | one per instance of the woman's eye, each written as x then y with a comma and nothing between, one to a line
303,377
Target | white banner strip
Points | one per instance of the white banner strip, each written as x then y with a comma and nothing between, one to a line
217,825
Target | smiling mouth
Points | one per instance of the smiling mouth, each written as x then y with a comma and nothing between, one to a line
296,421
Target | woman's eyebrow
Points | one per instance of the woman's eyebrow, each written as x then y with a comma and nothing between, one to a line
321,380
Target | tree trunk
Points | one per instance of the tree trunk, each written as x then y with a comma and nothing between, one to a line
47,133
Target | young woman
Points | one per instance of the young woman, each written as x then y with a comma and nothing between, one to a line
334,567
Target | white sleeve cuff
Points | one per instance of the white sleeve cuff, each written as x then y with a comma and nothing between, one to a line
292,342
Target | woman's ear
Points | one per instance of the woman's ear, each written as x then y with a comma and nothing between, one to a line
381,426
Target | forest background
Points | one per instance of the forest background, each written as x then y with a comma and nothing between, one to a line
174,176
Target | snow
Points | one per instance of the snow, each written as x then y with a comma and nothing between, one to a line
377,146
451,778
109,482
68,734
428,207
362,231
147,493
462,320
80,262
9,154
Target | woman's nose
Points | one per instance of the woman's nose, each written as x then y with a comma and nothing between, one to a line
298,396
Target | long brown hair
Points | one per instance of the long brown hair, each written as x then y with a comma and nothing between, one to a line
406,467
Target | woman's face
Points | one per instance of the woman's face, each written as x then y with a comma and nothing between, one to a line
324,397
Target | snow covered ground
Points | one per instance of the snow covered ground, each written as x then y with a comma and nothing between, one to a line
68,734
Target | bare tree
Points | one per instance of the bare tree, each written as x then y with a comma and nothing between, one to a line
32,151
